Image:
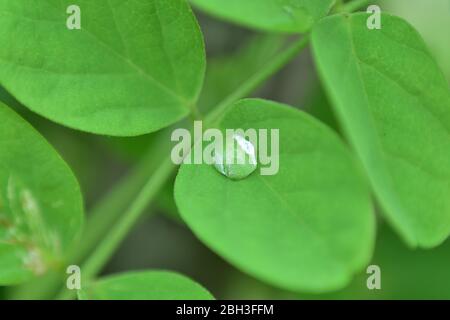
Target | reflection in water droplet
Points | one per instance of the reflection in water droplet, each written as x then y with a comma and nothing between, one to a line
239,159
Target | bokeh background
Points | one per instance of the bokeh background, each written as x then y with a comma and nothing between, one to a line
162,241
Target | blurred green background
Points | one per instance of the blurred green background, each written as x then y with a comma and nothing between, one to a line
161,241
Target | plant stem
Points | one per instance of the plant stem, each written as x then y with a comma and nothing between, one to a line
258,78
195,112
338,6
110,207
118,232
107,247
355,5
101,218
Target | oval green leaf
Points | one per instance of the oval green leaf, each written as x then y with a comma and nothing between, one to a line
307,228
134,66
394,105
41,209
145,285
290,16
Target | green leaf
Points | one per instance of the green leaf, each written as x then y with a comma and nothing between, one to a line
41,209
394,105
146,285
133,68
271,15
309,227
427,17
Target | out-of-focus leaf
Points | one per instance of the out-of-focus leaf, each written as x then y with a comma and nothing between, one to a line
145,285
41,209
72,145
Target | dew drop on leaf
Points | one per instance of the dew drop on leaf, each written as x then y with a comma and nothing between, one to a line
239,159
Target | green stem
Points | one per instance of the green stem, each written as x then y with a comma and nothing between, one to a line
338,6
355,5
255,81
115,236
109,244
101,218
108,210
118,232
195,113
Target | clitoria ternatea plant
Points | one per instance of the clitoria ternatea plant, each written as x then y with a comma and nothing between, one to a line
136,67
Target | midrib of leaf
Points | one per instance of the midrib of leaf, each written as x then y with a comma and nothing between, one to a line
125,59
161,29
139,70
119,32
422,52
411,162
391,79
398,205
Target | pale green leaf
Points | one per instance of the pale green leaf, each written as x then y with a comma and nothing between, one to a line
41,208
145,285
394,105
133,68
309,227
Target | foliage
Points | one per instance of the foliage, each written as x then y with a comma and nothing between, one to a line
136,68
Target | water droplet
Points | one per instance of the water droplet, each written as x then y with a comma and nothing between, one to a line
243,162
